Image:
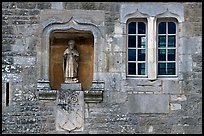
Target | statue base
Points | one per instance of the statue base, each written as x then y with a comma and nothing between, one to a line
71,80
71,86
70,108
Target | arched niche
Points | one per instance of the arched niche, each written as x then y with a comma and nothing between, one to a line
73,26
83,44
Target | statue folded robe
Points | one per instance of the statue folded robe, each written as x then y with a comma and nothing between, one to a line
70,65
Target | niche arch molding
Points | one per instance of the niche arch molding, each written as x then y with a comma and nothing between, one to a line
44,50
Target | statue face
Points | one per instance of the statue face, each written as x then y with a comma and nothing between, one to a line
71,44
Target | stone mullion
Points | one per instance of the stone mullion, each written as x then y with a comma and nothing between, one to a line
151,49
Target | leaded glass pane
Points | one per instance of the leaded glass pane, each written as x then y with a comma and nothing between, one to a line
131,55
162,55
141,28
131,68
171,54
132,28
162,28
171,68
171,28
162,41
171,41
131,41
141,41
141,68
162,68
141,54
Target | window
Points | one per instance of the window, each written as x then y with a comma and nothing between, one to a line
136,48
166,48
152,48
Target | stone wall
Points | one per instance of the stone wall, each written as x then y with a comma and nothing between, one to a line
172,106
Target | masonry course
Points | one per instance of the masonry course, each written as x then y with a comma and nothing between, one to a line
27,114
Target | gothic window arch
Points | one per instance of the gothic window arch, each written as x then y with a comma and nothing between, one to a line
137,47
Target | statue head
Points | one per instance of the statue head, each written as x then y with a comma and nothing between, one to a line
71,43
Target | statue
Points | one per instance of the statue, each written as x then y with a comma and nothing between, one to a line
70,65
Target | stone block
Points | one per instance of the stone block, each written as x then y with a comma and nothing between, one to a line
116,97
31,43
112,80
178,98
93,16
26,5
171,86
34,12
23,60
186,47
142,85
177,129
44,5
27,30
70,111
175,106
19,46
148,103
8,41
5,5
57,5
23,12
7,12
6,48
7,30
71,86
151,9
98,85
114,61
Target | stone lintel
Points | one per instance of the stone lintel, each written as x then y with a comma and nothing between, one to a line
71,86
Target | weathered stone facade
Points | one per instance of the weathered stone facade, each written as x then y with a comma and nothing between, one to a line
115,103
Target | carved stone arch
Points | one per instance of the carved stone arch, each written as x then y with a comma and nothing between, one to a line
57,24
169,14
136,14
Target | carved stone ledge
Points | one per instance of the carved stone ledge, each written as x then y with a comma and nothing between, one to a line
44,91
93,96
47,94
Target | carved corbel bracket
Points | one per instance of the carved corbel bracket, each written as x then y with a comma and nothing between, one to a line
95,94
44,91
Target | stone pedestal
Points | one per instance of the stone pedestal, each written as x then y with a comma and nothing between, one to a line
70,108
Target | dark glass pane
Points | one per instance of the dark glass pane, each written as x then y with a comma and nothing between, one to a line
141,55
171,54
171,68
131,55
171,41
162,41
171,28
141,41
162,55
131,68
131,41
141,28
141,68
132,28
162,28
161,68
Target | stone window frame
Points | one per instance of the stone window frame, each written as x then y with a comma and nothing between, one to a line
168,19
144,20
141,10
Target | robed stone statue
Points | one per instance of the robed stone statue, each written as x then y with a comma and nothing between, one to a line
70,65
